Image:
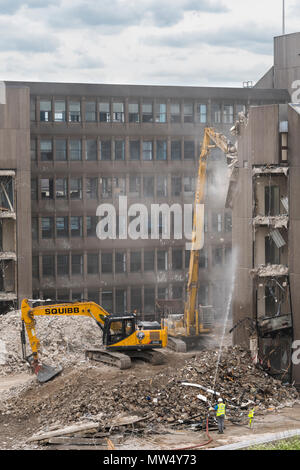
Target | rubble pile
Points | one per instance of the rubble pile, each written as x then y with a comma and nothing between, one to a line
84,393
63,340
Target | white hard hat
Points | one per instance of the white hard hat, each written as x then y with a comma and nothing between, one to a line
220,400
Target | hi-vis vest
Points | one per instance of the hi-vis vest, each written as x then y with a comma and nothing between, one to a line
221,409
251,414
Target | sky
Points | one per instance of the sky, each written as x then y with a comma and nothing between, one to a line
144,42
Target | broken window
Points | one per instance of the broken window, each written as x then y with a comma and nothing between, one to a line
90,111
120,262
48,265
59,111
228,114
118,112
148,183
149,300
46,150
135,261
63,265
176,150
176,260
106,263
77,265
189,150
106,187
176,186
76,226
160,112
120,150
161,186
147,150
133,112
92,188
61,188
149,261
47,227
147,112
136,300
272,201
91,225
62,227
175,112
105,150
188,112
162,260
135,186
104,112
61,150
47,188
272,252
92,263
202,113
161,150
216,113
91,150
75,150
75,188
134,150
74,111
45,110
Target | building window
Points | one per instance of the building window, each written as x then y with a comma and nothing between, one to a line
147,112
175,113
90,111
63,265
59,111
33,150
34,228
189,185
133,112
240,108
202,113
77,265
48,265
93,296
217,222
120,186
120,301
149,261
147,150
47,188
217,256
176,260
105,150
35,267
162,293
118,112
272,252
46,111
75,150
135,261
92,188
47,227
104,112
34,189
76,226
177,292
62,227
91,225
120,150
46,150
32,109
120,262
228,222
187,258
75,188
134,149
106,263
61,150
176,186
188,112
61,188
160,112
77,296
216,113
228,114
107,300
162,186
136,300
149,300
175,150
135,186
162,260
91,150
74,111
272,201
161,150
189,150
148,183
106,187
202,260
92,263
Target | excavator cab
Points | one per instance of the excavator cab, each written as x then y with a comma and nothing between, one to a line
116,329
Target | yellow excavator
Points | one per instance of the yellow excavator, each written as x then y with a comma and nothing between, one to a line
123,336
187,328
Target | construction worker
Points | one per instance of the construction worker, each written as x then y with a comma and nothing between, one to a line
220,414
251,417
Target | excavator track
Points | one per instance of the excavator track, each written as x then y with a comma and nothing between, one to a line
122,361
152,356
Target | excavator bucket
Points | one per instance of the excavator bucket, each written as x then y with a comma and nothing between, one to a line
46,373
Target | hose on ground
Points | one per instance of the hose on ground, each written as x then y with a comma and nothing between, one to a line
210,439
